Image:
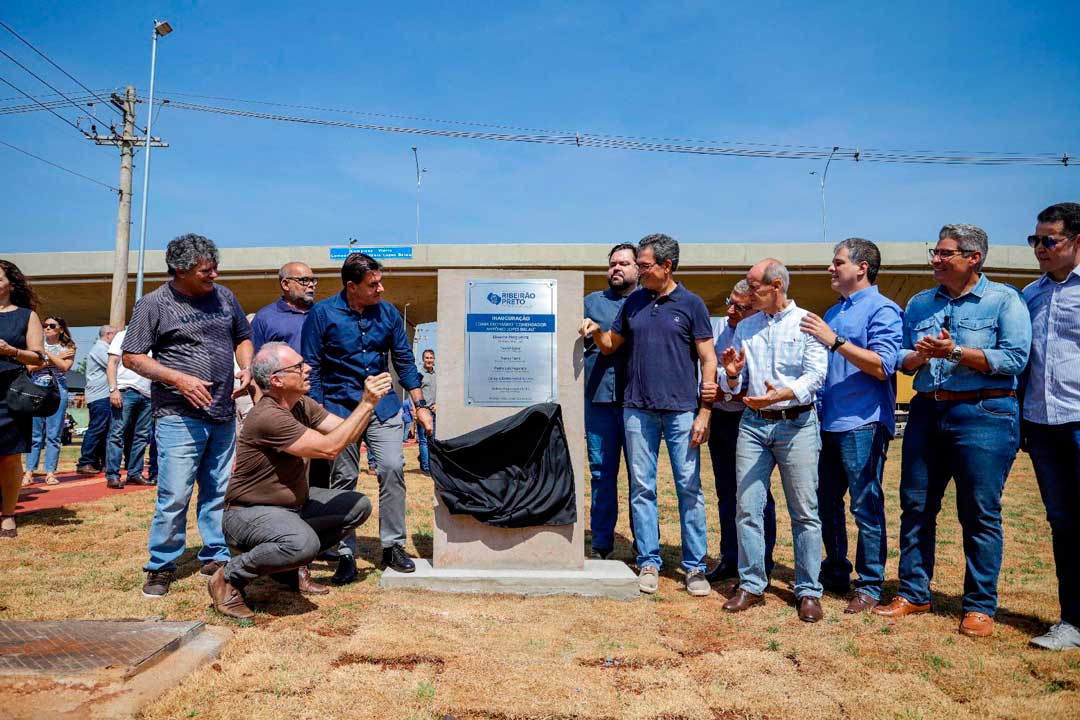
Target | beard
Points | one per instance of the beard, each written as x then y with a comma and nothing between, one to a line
301,300
619,283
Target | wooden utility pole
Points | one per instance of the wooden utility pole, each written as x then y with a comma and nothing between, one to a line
127,143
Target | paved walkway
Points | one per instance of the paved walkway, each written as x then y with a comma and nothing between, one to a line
73,488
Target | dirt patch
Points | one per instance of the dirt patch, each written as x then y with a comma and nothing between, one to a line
398,662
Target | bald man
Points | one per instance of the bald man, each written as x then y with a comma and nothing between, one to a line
281,320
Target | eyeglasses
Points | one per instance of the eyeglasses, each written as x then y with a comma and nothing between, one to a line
645,266
297,368
50,326
741,308
1047,241
947,255
305,281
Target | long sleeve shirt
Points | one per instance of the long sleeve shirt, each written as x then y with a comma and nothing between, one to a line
991,317
779,352
344,346
1052,379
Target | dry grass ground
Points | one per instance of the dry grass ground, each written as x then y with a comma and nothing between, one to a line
365,653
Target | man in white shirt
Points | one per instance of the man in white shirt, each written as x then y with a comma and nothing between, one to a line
782,368
129,395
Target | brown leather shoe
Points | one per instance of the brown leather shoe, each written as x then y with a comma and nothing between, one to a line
977,624
810,609
307,586
743,600
227,599
899,607
860,603
114,484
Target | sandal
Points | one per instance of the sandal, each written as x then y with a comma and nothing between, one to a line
50,479
27,479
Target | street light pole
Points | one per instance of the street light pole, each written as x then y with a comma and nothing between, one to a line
161,29
824,235
416,157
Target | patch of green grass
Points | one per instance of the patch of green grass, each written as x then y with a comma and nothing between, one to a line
772,645
886,629
425,691
851,648
772,629
1054,686
937,662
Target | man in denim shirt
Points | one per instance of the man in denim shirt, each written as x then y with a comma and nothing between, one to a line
858,418
966,341
346,339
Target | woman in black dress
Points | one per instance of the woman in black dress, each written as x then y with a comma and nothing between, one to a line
20,345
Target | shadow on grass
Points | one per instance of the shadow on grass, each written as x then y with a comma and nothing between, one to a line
52,517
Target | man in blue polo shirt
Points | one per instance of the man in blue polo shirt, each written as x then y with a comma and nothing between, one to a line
966,341
857,402
666,330
283,319
604,378
345,339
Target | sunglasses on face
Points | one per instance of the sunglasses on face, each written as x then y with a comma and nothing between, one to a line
946,254
51,326
1047,241
737,306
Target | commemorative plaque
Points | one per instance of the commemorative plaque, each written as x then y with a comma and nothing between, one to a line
510,343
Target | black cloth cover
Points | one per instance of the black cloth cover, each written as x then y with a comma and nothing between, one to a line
513,473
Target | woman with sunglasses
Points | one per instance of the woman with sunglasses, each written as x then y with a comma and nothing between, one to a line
59,356
20,343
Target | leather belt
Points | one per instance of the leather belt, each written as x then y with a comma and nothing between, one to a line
966,395
729,397
791,413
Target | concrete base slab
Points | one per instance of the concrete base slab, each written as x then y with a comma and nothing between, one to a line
599,578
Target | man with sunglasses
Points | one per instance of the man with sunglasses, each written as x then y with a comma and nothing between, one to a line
727,411
1051,404
966,341
863,332
346,339
283,319
272,516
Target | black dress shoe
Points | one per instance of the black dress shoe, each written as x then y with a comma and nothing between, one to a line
114,484
722,571
346,571
396,558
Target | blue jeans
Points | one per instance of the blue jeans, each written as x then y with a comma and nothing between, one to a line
606,442
422,441
133,418
853,461
723,439
1055,452
47,433
643,430
93,442
190,451
793,445
973,443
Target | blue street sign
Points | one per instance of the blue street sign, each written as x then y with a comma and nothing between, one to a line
378,253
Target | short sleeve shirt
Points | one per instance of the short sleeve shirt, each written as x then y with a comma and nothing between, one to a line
195,335
265,474
660,334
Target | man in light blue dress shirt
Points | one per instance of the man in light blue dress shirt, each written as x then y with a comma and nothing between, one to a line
1052,403
966,341
857,403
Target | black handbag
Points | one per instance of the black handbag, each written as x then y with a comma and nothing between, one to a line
25,397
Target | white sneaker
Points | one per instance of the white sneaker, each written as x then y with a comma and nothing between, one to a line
648,579
697,585
1062,636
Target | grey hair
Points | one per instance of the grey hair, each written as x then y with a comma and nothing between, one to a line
664,248
105,330
970,238
267,361
281,273
862,251
185,252
775,270
741,288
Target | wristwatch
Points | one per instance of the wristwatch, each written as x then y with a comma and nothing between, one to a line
840,340
955,354
421,403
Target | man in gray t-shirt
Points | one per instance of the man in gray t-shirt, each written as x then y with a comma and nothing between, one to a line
92,458
193,327
427,387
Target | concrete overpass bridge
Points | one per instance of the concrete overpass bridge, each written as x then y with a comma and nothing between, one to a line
77,285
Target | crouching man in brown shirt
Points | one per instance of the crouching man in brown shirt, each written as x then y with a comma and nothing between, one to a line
277,522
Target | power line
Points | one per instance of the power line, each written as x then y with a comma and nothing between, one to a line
59,167
18,89
42,95
46,83
50,61
620,143
35,106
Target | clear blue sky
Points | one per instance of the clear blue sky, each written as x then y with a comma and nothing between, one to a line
970,75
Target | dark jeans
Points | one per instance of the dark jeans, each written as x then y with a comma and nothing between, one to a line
606,445
853,461
133,418
1055,452
723,437
422,441
973,443
93,443
273,539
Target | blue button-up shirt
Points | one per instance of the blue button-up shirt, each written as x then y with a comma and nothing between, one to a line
278,322
604,374
991,317
851,398
343,347
1052,392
